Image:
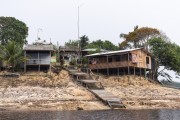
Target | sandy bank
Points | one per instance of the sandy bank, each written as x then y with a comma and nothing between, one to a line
52,91
139,93
45,92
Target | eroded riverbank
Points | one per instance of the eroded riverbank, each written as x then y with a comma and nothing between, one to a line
60,92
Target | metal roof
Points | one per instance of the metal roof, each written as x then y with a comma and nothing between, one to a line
38,47
65,48
112,52
93,49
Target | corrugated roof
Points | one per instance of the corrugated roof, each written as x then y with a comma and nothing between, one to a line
94,49
65,48
112,52
39,47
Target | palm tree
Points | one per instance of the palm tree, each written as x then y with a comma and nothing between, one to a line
12,54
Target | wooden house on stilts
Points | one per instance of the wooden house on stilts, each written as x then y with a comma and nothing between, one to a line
39,57
121,62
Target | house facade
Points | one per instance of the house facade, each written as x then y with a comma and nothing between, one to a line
132,61
68,54
38,57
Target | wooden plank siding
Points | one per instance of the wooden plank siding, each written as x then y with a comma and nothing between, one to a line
122,61
109,65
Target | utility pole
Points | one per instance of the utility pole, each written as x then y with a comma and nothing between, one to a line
58,56
79,48
78,23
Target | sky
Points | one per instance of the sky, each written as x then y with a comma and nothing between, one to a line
99,19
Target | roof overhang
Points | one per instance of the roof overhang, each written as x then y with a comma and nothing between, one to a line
112,52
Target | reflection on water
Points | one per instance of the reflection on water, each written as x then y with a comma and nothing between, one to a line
93,115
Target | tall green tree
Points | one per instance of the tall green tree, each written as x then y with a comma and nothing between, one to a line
99,44
138,37
72,44
12,29
12,54
84,41
166,54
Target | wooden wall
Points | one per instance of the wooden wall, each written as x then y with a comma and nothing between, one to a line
140,60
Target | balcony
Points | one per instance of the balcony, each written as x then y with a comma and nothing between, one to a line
38,62
110,65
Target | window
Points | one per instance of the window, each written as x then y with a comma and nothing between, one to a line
109,59
130,56
147,60
118,58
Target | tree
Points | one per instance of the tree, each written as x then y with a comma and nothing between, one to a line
99,44
12,29
84,41
12,54
166,54
138,37
72,44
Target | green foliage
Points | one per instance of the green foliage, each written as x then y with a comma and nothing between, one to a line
12,29
72,62
124,45
99,44
72,44
84,41
138,37
12,54
166,54
84,60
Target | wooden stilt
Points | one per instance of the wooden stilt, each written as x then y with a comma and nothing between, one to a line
128,63
108,66
145,73
25,62
134,71
140,73
38,63
128,68
118,71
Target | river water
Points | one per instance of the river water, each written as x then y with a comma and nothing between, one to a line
171,84
161,114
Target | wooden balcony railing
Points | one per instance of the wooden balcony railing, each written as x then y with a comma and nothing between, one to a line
110,65
37,61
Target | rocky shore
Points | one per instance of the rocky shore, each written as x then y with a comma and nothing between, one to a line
60,92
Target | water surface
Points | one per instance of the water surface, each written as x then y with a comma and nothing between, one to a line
161,114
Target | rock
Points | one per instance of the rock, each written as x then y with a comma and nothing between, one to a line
79,108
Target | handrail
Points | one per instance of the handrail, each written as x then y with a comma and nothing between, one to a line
38,61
